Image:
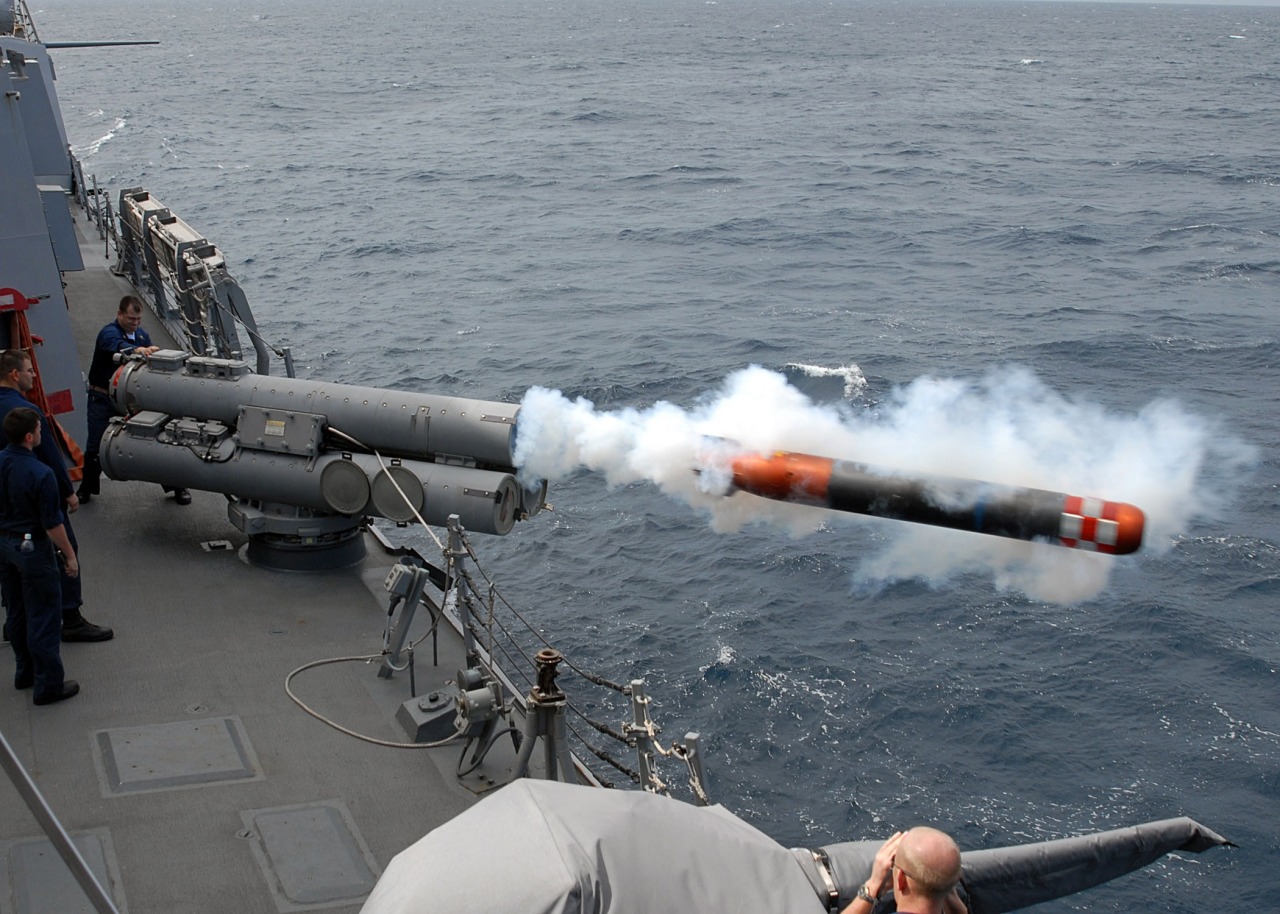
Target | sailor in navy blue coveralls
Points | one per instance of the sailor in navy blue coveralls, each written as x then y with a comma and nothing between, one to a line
14,384
29,570
122,335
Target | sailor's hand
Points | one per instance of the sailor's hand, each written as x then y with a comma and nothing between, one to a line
883,863
73,503
72,566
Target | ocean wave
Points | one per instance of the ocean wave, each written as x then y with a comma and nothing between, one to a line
91,148
594,117
1208,271
387,248
853,382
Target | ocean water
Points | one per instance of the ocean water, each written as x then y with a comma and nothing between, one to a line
1031,242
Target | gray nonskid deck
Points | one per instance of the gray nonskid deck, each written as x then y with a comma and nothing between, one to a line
183,745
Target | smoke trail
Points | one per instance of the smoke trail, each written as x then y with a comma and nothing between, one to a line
1007,428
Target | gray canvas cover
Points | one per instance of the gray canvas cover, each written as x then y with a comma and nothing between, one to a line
542,847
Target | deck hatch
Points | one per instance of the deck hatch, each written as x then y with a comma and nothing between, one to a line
311,855
36,880
187,753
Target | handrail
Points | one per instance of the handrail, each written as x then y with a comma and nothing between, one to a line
24,26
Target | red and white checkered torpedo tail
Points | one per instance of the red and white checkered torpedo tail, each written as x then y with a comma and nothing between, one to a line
1112,527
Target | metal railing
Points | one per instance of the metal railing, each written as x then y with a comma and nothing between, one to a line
24,26
503,638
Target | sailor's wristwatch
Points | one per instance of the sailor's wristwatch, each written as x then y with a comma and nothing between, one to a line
866,896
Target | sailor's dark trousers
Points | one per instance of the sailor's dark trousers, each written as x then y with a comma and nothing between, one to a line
29,584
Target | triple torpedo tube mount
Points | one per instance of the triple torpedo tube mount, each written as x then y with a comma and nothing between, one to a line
213,424
1091,524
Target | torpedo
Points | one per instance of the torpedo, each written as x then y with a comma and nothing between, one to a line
1091,524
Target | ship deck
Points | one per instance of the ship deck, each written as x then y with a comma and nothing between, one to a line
185,774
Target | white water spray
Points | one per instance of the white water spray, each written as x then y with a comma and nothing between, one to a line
1007,428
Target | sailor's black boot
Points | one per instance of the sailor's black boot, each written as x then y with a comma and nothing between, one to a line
76,627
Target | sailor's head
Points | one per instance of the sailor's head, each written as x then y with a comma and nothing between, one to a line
16,370
22,427
130,314
930,862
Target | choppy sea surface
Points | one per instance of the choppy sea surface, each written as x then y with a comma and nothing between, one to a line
1051,213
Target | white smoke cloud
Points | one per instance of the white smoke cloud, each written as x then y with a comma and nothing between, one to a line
1008,427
